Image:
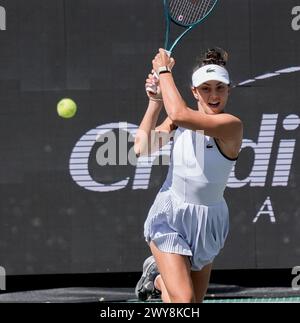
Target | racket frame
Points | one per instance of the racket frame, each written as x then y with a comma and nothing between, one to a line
169,19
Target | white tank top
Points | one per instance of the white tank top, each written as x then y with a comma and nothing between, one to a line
197,176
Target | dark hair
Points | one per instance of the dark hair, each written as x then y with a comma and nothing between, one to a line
216,56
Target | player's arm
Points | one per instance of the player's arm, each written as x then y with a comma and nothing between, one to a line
223,126
145,133
164,133
159,136
150,138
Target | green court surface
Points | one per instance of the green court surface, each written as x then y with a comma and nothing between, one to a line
216,294
238,294
256,300
238,300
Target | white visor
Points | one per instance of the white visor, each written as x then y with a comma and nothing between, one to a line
210,73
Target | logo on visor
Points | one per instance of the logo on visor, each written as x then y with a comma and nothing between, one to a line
210,70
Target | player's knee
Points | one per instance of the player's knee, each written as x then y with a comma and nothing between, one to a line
199,299
183,297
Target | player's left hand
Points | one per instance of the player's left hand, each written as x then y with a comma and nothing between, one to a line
162,59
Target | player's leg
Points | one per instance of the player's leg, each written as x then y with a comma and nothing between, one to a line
174,280
201,281
160,285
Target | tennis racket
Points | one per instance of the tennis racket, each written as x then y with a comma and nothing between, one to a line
186,14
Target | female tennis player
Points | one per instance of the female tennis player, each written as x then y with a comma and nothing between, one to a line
188,222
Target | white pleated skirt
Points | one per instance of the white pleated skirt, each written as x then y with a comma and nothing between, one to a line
194,230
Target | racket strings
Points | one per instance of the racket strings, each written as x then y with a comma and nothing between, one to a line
188,12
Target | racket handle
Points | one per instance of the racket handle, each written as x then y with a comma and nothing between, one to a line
153,88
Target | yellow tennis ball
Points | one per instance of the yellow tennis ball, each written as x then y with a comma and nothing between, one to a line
66,108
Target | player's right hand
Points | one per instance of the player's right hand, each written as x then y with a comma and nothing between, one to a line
152,87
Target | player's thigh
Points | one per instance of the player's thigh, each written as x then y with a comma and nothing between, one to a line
200,281
175,271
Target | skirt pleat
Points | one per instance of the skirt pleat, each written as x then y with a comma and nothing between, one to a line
194,230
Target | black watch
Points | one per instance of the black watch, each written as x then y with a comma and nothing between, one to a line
164,69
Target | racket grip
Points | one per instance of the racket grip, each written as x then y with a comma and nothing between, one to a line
152,88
